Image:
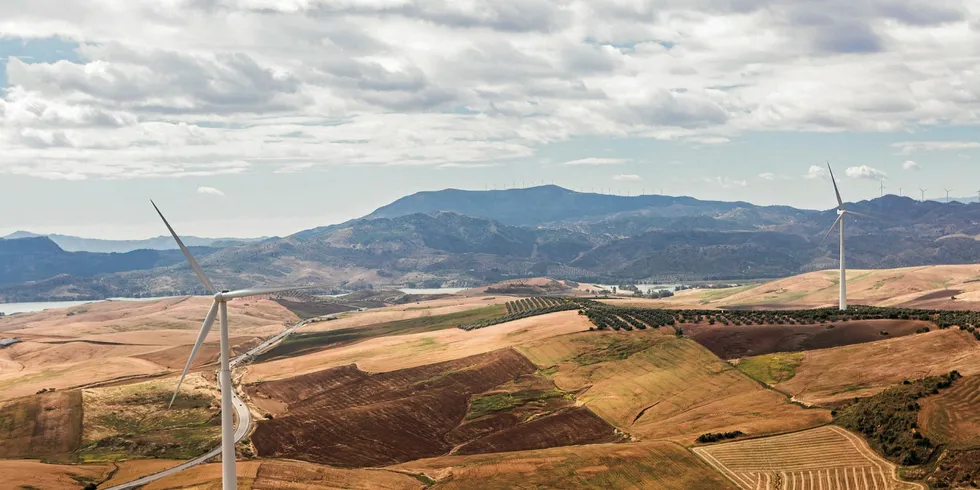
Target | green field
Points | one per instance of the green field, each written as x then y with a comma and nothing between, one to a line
304,343
772,368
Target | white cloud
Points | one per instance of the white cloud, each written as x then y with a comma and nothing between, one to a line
910,165
726,182
815,172
595,161
627,177
210,191
909,147
288,84
865,172
767,176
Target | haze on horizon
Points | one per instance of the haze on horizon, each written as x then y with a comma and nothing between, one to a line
265,117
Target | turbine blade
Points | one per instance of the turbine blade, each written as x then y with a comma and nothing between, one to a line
865,215
831,230
840,202
190,258
241,293
208,321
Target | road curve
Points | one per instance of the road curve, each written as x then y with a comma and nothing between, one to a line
244,416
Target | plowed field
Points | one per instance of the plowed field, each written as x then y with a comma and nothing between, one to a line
731,341
953,416
827,458
346,417
48,425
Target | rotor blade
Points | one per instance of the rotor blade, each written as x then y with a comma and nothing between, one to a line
208,321
190,258
865,215
241,293
840,202
831,230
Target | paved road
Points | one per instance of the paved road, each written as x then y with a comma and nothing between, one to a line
244,415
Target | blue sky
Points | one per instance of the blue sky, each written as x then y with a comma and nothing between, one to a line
262,117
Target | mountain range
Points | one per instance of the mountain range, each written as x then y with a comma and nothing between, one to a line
70,243
468,238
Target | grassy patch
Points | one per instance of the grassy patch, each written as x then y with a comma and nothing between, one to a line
612,348
501,402
302,343
889,420
772,368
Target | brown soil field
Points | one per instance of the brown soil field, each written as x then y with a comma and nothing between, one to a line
346,417
78,346
913,287
290,475
405,351
652,385
48,426
133,421
953,416
830,376
23,474
828,458
406,311
137,468
656,465
731,341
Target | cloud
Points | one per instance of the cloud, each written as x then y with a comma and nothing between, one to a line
865,172
595,161
767,176
726,182
210,191
627,177
815,172
179,84
909,147
910,165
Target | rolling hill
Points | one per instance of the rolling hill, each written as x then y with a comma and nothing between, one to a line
70,243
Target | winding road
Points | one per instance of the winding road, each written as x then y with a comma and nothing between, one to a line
243,415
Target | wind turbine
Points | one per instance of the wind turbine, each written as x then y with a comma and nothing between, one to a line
947,194
841,212
923,191
219,309
883,188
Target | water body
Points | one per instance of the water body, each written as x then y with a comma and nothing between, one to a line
11,308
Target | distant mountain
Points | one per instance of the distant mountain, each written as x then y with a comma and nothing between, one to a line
77,244
558,233
38,258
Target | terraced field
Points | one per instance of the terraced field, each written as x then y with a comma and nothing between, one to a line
826,458
953,416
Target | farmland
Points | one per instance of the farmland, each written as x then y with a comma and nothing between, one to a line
656,464
346,417
952,416
46,425
657,386
828,457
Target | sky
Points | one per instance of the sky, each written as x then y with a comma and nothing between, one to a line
266,117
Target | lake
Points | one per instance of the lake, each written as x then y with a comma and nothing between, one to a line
11,308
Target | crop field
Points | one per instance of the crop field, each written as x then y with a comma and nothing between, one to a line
47,425
303,343
27,474
525,308
652,385
953,416
831,376
133,421
413,350
771,368
293,475
349,418
656,464
828,458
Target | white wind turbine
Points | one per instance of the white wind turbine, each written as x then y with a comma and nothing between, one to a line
841,212
219,308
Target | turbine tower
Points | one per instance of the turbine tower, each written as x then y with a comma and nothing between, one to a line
219,309
883,188
841,213
947,194
923,191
